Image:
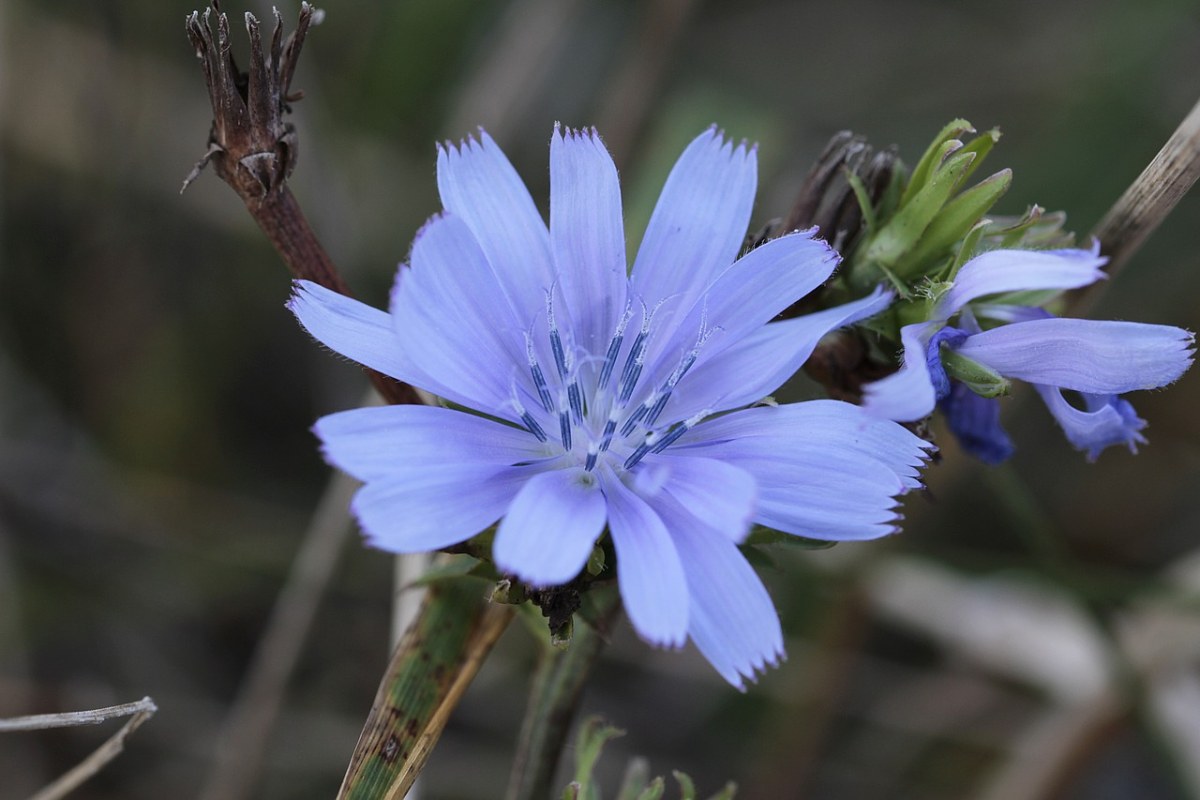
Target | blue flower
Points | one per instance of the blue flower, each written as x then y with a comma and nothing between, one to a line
610,398
1097,359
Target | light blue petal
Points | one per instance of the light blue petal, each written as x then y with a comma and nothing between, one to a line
1108,420
721,494
1021,270
428,508
908,394
548,533
744,297
730,615
587,232
1091,356
837,484
699,223
382,441
649,572
352,329
819,425
478,184
451,311
763,361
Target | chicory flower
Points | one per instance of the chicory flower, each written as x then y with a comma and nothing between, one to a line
585,397
981,318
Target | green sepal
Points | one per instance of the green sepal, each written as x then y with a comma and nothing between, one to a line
981,380
637,775
654,791
760,535
727,792
908,225
954,222
687,788
933,156
454,567
981,145
966,250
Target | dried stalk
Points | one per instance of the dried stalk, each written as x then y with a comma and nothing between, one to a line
1148,200
137,712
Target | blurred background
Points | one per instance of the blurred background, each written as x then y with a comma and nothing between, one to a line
1034,631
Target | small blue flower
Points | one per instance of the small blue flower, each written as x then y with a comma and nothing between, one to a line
1097,359
610,398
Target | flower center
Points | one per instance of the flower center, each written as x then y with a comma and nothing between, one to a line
592,402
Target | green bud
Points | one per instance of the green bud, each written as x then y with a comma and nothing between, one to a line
981,380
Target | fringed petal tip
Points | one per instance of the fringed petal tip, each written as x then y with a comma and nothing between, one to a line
472,142
755,670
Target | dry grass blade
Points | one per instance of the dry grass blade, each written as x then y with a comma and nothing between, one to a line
428,673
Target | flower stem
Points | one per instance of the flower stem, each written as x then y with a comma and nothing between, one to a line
554,697
435,662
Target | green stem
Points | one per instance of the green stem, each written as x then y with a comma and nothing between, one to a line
428,673
554,697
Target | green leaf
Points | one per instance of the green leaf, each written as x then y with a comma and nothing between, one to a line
932,157
594,734
981,380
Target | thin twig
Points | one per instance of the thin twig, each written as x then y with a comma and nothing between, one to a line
105,753
69,719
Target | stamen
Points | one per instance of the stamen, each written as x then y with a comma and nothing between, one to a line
564,428
636,358
656,444
556,345
532,425
575,398
634,419
659,404
527,419
610,427
592,454
539,378
614,348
